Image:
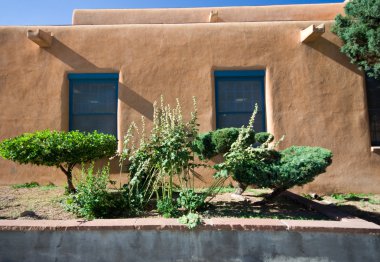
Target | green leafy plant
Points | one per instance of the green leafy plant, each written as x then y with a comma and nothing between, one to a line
191,220
63,150
191,201
93,199
264,166
167,207
26,185
350,197
359,29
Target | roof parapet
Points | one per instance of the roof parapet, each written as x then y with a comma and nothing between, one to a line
306,12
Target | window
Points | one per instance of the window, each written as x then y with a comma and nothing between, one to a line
373,99
93,102
236,93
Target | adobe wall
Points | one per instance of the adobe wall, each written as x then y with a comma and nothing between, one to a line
314,96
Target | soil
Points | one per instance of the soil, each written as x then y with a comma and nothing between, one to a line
47,202
33,203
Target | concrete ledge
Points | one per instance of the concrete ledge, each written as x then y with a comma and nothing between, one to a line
215,224
375,149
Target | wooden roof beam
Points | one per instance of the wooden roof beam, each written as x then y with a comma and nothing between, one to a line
311,33
40,37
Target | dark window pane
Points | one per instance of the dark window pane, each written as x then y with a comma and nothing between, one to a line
89,123
373,93
374,121
236,97
93,104
94,96
240,119
373,98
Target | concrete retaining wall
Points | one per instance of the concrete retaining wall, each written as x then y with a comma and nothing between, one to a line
166,240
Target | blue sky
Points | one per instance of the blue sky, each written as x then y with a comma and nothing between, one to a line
58,12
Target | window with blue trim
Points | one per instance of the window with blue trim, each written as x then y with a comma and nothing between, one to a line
93,102
373,99
236,93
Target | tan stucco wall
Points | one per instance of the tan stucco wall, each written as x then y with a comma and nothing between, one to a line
313,95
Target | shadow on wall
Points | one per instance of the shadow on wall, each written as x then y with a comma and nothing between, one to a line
81,65
70,57
135,101
332,51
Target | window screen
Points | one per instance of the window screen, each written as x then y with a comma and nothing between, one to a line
373,98
236,93
93,102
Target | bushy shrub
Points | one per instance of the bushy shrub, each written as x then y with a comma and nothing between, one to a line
93,199
60,149
162,156
218,142
263,166
157,158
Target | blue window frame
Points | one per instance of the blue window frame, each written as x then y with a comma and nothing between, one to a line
93,102
236,93
373,101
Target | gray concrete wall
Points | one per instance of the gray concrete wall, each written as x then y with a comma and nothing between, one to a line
198,245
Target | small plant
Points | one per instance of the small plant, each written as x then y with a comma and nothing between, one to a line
167,207
191,220
191,201
63,150
350,197
26,185
93,199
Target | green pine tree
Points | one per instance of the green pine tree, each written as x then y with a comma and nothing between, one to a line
360,31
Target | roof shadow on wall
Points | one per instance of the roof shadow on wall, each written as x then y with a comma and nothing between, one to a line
80,63
70,57
135,101
332,51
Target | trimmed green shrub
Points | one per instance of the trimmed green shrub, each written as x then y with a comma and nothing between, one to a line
218,142
60,149
263,166
203,146
263,137
294,166
360,31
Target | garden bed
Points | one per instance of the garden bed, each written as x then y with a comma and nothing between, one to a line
47,202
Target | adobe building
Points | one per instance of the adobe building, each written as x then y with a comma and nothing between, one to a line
108,67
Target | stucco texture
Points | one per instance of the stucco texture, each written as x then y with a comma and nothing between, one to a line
314,96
